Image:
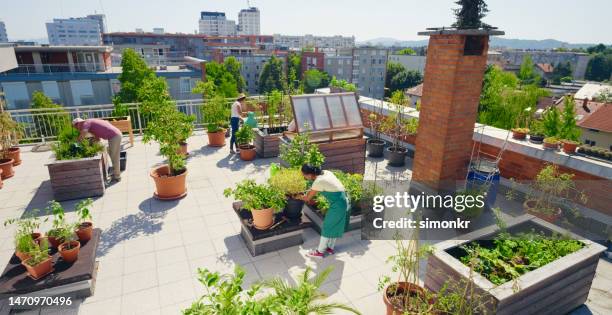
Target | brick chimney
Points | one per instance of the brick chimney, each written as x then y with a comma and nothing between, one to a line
454,71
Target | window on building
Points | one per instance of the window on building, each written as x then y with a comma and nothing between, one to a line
185,85
590,142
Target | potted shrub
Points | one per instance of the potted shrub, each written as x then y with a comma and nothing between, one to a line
551,143
536,132
267,137
84,227
262,200
291,182
405,295
569,132
214,112
244,137
394,126
9,156
353,183
549,189
520,133
26,234
569,146
375,146
300,151
40,263
70,246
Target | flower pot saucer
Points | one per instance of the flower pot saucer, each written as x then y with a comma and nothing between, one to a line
41,276
170,198
267,227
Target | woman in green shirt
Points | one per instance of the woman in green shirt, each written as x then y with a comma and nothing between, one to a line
336,219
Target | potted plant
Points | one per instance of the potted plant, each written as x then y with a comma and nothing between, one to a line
40,263
215,113
70,246
84,227
262,200
375,146
394,125
536,132
9,131
244,137
569,132
59,227
520,133
26,234
291,182
570,146
549,189
405,295
300,151
551,143
267,137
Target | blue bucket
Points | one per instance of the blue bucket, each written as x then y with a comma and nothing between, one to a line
477,178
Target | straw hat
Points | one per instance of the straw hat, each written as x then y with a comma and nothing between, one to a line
77,120
241,97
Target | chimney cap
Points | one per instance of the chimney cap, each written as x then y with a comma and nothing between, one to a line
454,31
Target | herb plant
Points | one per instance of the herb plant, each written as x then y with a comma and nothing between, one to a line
321,203
353,183
38,253
245,135
288,180
59,225
10,133
69,147
82,211
300,151
257,196
552,188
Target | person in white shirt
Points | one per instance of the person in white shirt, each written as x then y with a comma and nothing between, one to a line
237,114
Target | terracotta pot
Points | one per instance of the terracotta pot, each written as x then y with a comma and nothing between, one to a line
529,206
15,154
6,165
168,187
183,149
53,241
519,135
413,289
247,152
1,182
263,219
550,146
569,147
36,236
84,231
216,139
69,255
40,270
22,255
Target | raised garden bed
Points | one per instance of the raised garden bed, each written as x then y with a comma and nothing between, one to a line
279,236
74,179
75,280
317,217
555,288
346,155
267,141
124,124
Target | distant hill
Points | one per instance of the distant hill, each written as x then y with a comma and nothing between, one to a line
495,42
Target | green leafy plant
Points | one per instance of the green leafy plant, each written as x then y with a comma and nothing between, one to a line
68,146
38,253
551,140
245,135
82,211
551,188
257,196
274,100
569,130
225,295
342,84
551,122
520,130
321,203
536,128
24,242
27,224
353,183
59,228
134,74
50,118
460,297
300,151
10,133
511,256
288,180
304,297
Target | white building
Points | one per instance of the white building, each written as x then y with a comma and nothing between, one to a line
298,42
410,62
248,22
216,24
3,36
84,31
158,30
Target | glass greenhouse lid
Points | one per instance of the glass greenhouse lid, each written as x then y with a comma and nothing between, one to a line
326,113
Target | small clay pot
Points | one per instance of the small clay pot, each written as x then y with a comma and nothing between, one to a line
569,147
15,154
69,255
40,270
53,241
247,152
84,231
412,288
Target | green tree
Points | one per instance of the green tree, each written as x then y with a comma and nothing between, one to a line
569,130
342,84
598,49
527,74
314,79
551,122
272,76
233,66
406,51
50,118
470,14
134,71
561,71
294,71
399,79
599,67
223,79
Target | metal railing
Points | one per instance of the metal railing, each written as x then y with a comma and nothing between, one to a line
48,68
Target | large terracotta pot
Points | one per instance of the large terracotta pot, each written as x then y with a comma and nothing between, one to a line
15,154
413,289
6,165
247,152
40,270
69,255
84,231
529,206
216,139
263,219
168,187
569,147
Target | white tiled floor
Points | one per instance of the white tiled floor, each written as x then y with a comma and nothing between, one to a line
150,249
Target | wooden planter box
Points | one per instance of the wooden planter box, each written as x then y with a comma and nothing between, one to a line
124,124
74,179
346,155
267,146
555,288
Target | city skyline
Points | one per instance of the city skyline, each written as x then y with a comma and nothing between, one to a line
340,17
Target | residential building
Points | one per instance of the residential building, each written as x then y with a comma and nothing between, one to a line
544,70
216,24
3,35
414,94
80,75
248,22
410,62
369,71
340,66
251,66
158,30
591,89
579,61
593,118
81,31
312,60
298,42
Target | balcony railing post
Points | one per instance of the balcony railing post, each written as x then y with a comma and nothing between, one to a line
139,121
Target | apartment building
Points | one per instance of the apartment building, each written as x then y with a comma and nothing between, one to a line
298,42
410,62
249,22
81,31
514,58
80,75
3,35
216,24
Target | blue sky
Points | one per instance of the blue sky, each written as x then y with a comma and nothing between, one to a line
576,21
